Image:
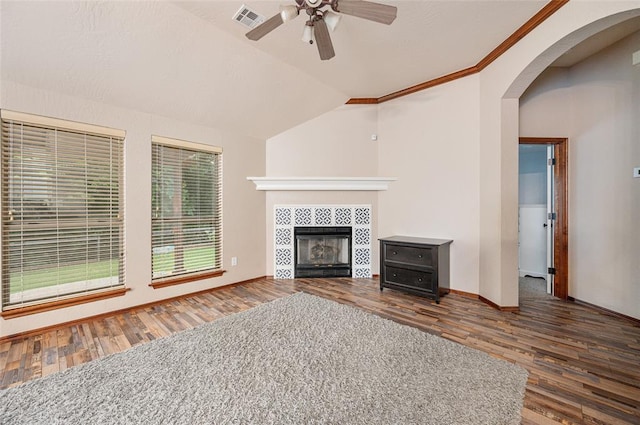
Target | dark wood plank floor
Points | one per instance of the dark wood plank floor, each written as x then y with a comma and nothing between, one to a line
584,364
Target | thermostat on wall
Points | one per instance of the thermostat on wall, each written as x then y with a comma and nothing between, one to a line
636,172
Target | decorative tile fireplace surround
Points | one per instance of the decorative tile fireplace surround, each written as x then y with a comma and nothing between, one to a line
287,217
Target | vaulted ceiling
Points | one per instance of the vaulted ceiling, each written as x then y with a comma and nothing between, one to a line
428,39
191,61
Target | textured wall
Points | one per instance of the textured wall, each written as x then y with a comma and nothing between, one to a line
429,140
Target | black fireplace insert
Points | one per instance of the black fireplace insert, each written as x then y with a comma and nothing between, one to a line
322,251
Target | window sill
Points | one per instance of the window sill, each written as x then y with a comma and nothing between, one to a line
179,280
58,304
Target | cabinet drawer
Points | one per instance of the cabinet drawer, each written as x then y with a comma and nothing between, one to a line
412,278
419,256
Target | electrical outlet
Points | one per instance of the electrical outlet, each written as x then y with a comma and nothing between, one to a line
636,172
234,261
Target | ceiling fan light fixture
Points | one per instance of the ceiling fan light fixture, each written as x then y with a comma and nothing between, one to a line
322,21
307,34
313,3
332,19
288,12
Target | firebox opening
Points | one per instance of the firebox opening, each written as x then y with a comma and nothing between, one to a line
322,251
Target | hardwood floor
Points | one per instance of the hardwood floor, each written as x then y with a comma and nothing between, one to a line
584,364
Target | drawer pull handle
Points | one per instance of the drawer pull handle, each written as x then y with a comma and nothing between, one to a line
395,275
419,255
395,253
419,279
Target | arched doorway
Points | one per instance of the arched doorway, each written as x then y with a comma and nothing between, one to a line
520,83
501,85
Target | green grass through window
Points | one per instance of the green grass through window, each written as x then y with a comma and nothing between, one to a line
195,258
198,258
42,278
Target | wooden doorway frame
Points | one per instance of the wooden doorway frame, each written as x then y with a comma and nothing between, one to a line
561,199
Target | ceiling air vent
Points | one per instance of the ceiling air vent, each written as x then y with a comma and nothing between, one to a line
248,17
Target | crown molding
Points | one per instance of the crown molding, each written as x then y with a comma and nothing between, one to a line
549,9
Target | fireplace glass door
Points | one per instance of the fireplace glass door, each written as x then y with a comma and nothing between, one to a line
322,252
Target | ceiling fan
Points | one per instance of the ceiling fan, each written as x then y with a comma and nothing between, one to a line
322,17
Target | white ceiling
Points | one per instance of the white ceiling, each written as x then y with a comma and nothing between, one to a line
428,39
190,61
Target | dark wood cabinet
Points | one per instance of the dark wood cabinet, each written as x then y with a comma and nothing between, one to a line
416,265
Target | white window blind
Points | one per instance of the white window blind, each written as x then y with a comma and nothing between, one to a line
186,208
62,209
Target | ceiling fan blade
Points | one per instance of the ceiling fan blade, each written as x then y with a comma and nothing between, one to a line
265,28
323,40
376,12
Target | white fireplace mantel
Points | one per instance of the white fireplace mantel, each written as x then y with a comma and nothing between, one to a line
322,183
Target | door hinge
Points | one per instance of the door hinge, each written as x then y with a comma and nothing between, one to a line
551,161
551,270
551,216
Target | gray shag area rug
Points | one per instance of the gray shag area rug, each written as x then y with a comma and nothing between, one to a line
532,287
297,360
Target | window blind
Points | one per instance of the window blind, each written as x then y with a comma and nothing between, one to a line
186,208
62,209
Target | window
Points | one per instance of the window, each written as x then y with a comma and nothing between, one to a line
62,210
186,210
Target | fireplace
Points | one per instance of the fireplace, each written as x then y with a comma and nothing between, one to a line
322,251
288,218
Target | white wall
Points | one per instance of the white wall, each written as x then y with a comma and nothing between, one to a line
335,144
242,204
549,90
429,140
426,140
596,103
